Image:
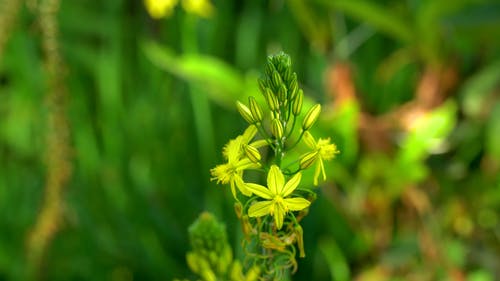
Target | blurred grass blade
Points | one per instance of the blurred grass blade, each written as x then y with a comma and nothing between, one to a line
428,25
223,83
478,89
374,15
314,26
335,259
493,133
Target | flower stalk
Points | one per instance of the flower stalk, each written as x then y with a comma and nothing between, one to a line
270,213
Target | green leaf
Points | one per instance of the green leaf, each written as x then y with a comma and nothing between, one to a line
429,133
480,275
223,83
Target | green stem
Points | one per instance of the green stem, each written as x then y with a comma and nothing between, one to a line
199,100
298,140
293,127
264,134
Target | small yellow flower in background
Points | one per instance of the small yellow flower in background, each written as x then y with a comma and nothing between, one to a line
323,150
158,9
276,205
232,171
202,8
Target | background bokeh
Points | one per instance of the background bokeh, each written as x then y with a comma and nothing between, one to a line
410,93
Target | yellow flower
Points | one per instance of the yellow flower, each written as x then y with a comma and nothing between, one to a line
232,171
277,204
202,8
322,150
160,8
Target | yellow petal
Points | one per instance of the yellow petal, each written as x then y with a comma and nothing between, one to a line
259,190
246,163
275,180
202,8
296,204
242,186
322,165
259,209
279,216
291,185
259,143
320,169
232,150
160,8
309,140
317,171
249,134
233,189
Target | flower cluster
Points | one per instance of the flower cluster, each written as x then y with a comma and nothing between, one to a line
211,257
270,214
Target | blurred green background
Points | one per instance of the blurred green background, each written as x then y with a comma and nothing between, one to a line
410,92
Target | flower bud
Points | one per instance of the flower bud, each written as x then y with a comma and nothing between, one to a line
255,109
253,274
246,227
245,112
225,259
277,128
275,115
192,261
280,66
287,61
282,93
238,209
262,85
272,101
299,233
213,257
252,153
269,68
207,273
294,87
311,117
297,102
276,79
308,159
287,76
